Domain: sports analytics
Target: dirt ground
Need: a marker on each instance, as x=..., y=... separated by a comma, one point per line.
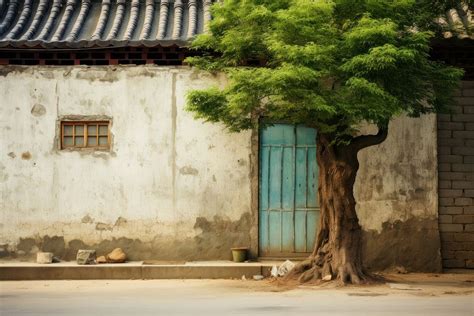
x=403, y=294
x=414, y=284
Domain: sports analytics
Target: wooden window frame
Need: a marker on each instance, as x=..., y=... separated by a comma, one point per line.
x=85, y=134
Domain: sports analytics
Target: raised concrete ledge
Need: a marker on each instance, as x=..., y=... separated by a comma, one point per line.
x=132, y=270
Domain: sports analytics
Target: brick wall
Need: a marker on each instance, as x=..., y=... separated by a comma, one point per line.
x=172, y=55
x=456, y=181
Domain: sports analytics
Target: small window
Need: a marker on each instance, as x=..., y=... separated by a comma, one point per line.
x=85, y=135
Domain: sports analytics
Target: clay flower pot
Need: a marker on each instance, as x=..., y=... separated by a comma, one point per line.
x=239, y=254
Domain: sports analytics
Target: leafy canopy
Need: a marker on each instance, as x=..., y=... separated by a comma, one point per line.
x=327, y=64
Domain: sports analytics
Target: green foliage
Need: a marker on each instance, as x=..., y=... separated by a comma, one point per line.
x=326, y=64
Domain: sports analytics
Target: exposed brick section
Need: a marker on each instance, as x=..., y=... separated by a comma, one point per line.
x=172, y=55
x=456, y=181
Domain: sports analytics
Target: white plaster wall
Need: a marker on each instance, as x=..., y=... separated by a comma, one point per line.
x=165, y=168
x=398, y=179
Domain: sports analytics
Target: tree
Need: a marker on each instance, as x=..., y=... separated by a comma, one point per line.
x=331, y=65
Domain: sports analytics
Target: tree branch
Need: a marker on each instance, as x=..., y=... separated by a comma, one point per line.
x=363, y=141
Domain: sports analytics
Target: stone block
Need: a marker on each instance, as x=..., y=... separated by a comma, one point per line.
x=451, y=210
x=466, y=84
x=444, y=151
x=444, y=118
x=85, y=256
x=453, y=246
x=468, y=193
x=44, y=257
x=444, y=193
x=463, y=219
x=469, y=176
x=462, y=150
x=447, y=236
x=470, y=264
x=469, y=126
x=468, y=210
x=444, y=134
x=469, y=228
x=444, y=167
x=463, y=134
x=463, y=184
x=465, y=101
x=447, y=254
x=445, y=219
x=451, y=175
x=468, y=109
x=444, y=184
x=446, y=202
x=456, y=109
x=469, y=159
x=462, y=201
x=468, y=92
x=450, y=158
x=468, y=245
x=451, y=227
x=458, y=126
x=453, y=263
x=451, y=142
x=463, y=236
x=462, y=118
x=463, y=255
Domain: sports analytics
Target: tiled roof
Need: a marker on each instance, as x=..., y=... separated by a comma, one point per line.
x=101, y=23
x=458, y=23
x=113, y=23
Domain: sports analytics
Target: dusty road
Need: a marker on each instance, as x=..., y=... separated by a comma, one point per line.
x=405, y=295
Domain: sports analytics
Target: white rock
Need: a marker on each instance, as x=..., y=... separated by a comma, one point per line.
x=327, y=277
x=44, y=257
x=285, y=267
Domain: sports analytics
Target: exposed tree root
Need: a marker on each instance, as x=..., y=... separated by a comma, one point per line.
x=312, y=271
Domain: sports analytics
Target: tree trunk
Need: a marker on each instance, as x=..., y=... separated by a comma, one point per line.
x=337, y=250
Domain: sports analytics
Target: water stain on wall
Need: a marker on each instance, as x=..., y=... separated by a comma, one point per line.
x=213, y=241
x=413, y=244
x=38, y=110
x=188, y=170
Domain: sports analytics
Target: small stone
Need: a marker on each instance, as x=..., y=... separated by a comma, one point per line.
x=327, y=277
x=44, y=257
x=116, y=256
x=401, y=270
x=258, y=277
x=56, y=259
x=85, y=256
x=326, y=272
x=101, y=259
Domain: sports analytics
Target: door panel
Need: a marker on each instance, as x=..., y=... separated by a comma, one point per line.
x=288, y=207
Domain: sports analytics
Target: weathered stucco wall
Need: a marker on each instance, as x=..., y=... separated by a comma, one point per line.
x=397, y=199
x=170, y=187
x=173, y=187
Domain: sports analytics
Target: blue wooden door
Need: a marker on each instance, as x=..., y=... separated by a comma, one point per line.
x=288, y=203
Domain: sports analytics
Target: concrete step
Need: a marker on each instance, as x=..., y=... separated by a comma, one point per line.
x=132, y=270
